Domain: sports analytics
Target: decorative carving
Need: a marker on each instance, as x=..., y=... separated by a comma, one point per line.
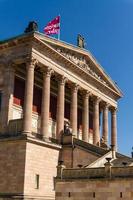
x=96, y=100
x=81, y=62
x=31, y=62
x=61, y=79
x=74, y=87
x=86, y=93
x=113, y=110
x=47, y=72
x=106, y=105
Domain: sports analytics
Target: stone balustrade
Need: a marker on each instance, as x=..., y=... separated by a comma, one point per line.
x=96, y=173
x=126, y=171
x=83, y=173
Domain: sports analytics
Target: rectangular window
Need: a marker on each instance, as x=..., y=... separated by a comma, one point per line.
x=94, y=195
x=37, y=181
x=120, y=194
x=69, y=194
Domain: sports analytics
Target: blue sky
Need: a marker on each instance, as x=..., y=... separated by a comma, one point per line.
x=107, y=26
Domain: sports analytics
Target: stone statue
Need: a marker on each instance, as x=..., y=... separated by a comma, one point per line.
x=32, y=26
x=80, y=41
x=67, y=129
x=102, y=143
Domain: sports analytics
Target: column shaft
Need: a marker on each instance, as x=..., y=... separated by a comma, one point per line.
x=96, y=131
x=45, y=104
x=73, y=111
x=113, y=129
x=60, y=108
x=85, y=117
x=105, y=124
x=28, y=100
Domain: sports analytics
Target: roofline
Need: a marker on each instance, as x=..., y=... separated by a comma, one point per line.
x=16, y=37
x=60, y=42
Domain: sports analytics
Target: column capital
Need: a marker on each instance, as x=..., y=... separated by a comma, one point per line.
x=31, y=62
x=105, y=105
x=61, y=79
x=86, y=93
x=113, y=109
x=47, y=71
x=74, y=87
x=96, y=99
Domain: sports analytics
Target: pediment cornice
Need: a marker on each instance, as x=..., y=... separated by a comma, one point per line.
x=78, y=59
x=82, y=62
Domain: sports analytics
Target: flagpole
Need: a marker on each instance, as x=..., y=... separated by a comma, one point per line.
x=59, y=29
x=59, y=35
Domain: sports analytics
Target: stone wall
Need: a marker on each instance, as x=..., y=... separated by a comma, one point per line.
x=105, y=183
x=74, y=154
x=21, y=161
x=73, y=157
x=41, y=159
x=104, y=189
x=12, y=166
x=83, y=157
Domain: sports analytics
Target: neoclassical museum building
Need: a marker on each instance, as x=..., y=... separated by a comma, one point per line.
x=58, y=124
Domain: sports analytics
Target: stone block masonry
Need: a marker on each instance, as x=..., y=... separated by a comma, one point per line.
x=12, y=166
x=22, y=162
x=109, y=183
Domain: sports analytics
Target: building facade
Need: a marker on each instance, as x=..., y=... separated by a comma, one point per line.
x=44, y=84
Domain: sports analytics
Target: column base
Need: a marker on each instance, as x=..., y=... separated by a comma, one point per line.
x=27, y=133
x=46, y=139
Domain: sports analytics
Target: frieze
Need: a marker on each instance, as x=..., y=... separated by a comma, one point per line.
x=82, y=63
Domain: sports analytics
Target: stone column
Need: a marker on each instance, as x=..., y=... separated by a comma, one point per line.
x=105, y=124
x=96, y=128
x=45, y=104
x=7, y=95
x=60, y=107
x=28, y=100
x=73, y=111
x=85, y=117
x=113, y=129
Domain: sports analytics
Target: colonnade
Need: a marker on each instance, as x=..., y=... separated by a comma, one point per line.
x=28, y=101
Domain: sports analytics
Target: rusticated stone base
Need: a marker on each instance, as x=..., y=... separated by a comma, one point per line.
x=21, y=160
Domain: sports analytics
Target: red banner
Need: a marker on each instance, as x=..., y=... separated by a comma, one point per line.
x=53, y=27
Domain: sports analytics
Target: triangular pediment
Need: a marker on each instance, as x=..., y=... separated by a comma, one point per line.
x=76, y=58
x=83, y=59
